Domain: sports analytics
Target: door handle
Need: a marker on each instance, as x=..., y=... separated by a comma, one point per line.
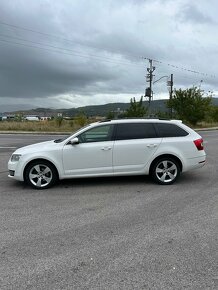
x=151, y=145
x=106, y=148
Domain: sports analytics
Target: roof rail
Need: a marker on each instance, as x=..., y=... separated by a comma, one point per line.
x=106, y=120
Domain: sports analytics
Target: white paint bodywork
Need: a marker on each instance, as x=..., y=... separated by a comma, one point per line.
x=108, y=158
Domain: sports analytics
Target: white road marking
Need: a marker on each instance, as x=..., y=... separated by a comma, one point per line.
x=5, y=147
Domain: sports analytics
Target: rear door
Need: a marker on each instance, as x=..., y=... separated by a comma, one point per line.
x=135, y=144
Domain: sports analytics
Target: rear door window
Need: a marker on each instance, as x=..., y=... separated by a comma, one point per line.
x=128, y=131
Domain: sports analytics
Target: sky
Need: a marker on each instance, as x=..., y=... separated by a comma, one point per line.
x=74, y=53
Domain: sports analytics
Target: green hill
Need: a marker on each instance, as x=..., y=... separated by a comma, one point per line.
x=101, y=110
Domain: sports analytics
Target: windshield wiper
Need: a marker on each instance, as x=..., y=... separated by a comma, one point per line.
x=58, y=140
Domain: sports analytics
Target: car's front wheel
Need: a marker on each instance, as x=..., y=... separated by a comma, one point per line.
x=40, y=174
x=165, y=171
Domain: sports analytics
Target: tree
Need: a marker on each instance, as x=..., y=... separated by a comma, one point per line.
x=110, y=115
x=59, y=121
x=213, y=115
x=81, y=119
x=136, y=109
x=190, y=105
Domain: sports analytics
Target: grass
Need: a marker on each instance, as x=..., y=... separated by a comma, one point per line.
x=206, y=125
x=41, y=126
x=67, y=126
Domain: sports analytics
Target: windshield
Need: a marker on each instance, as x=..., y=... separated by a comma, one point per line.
x=65, y=137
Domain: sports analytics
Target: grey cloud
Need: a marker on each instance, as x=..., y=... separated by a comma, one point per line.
x=25, y=74
x=193, y=14
x=106, y=43
x=30, y=72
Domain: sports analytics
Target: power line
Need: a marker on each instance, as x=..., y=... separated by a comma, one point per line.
x=182, y=68
x=64, y=39
x=34, y=31
x=57, y=37
x=61, y=51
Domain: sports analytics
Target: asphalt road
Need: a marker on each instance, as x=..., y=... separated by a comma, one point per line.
x=110, y=233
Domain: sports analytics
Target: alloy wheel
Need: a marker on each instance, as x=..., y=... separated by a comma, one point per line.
x=40, y=175
x=166, y=171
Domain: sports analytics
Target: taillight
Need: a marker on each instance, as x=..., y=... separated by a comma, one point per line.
x=199, y=144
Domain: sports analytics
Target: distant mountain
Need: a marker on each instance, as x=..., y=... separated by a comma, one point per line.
x=103, y=110
x=96, y=110
x=14, y=107
x=99, y=110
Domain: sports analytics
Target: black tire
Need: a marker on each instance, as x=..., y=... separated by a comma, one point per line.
x=165, y=170
x=40, y=174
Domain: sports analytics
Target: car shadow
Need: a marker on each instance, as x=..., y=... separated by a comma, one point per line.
x=104, y=181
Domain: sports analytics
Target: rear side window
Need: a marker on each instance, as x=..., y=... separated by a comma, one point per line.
x=169, y=130
x=128, y=131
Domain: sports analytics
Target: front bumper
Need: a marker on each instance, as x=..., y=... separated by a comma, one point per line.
x=15, y=170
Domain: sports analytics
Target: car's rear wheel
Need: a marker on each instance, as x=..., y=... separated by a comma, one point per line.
x=40, y=174
x=165, y=171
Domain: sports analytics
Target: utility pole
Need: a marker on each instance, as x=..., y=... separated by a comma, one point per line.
x=170, y=85
x=149, y=78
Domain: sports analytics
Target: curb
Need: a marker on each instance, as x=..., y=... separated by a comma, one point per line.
x=69, y=133
x=206, y=129
x=34, y=133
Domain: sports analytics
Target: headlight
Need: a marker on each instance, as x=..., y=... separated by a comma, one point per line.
x=15, y=157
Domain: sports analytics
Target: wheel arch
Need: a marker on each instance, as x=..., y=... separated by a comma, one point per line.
x=40, y=160
x=166, y=156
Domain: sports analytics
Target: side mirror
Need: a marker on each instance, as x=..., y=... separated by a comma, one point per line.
x=74, y=141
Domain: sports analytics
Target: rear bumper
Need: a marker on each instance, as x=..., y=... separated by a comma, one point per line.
x=194, y=163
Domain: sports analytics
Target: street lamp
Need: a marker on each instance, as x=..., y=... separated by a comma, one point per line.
x=170, y=85
x=160, y=79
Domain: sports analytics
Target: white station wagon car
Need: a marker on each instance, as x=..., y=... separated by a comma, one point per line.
x=159, y=148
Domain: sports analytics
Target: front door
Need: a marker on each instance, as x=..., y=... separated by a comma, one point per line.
x=92, y=156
